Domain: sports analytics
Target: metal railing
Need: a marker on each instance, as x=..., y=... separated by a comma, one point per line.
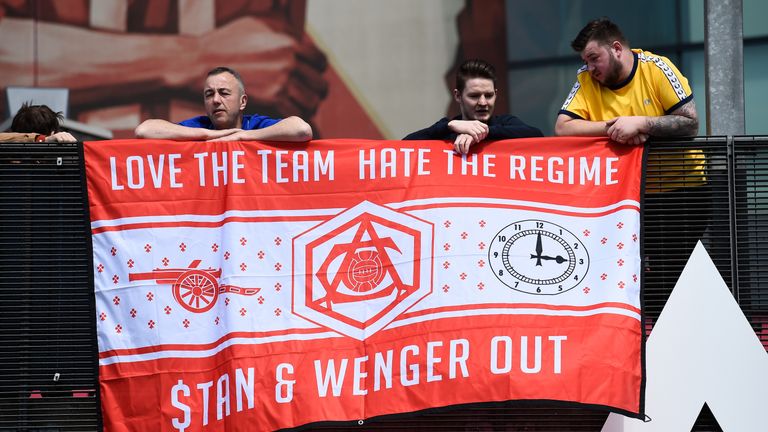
x=48, y=353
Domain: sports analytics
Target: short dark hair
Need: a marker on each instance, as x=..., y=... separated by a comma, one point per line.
x=223, y=69
x=38, y=119
x=474, y=68
x=601, y=30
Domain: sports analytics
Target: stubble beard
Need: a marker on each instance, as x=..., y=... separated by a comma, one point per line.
x=613, y=76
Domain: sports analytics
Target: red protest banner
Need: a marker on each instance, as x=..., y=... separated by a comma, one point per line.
x=244, y=286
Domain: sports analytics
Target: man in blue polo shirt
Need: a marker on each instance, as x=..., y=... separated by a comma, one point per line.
x=225, y=99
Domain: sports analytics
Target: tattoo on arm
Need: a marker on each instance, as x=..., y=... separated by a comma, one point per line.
x=680, y=122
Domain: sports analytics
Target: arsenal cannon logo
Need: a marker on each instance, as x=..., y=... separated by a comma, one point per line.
x=196, y=290
x=358, y=271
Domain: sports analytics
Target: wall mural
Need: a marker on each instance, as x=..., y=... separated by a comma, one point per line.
x=360, y=69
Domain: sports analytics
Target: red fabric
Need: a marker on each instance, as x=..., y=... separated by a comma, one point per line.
x=391, y=274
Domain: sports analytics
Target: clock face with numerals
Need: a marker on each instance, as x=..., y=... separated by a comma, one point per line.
x=538, y=257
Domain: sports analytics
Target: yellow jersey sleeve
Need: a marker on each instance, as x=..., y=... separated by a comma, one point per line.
x=575, y=104
x=671, y=86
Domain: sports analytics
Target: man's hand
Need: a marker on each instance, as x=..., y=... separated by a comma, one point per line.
x=462, y=143
x=290, y=129
x=61, y=137
x=163, y=129
x=230, y=135
x=630, y=130
x=470, y=132
x=474, y=128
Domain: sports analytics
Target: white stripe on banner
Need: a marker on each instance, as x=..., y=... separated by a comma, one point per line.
x=175, y=353
x=334, y=211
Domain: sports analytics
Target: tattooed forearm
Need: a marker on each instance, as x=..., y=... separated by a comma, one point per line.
x=681, y=122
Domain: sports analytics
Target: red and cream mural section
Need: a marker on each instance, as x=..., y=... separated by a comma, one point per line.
x=362, y=69
x=241, y=286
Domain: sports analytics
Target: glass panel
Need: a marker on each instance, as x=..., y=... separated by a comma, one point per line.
x=545, y=28
x=755, y=12
x=536, y=94
x=692, y=20
x=692, y=67
x=756, y=89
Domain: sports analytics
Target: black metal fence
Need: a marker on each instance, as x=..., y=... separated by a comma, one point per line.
x=48, y=376
x=48, y=354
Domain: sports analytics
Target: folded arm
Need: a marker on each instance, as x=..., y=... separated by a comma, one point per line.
x=570, y=126
x=633, y=130
x=289, y=129
x=162, y=129
x=681, y=122
x=61, y=137
x=469, y=132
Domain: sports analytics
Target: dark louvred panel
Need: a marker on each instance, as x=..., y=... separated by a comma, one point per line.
x=750, y=213
x=48, y=376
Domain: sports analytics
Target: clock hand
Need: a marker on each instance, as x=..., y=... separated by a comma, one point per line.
x=559, y=259
x=539, y=249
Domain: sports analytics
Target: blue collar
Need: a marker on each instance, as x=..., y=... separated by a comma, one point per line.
x=631, y=74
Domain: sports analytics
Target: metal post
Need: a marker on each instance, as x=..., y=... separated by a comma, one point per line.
x=724, y=61
x=734, y=243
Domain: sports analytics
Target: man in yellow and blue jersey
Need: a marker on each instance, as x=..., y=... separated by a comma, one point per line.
x=625, y=94
x=630, y=95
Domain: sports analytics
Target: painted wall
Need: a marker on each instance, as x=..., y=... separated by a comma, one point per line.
x=362, y=69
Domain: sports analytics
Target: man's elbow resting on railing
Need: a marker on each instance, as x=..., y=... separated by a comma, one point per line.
x=296, y=129
x=569, y=126
x=144, y=130
x=162, y=129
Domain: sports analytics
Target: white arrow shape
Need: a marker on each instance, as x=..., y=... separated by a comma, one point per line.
x=702, y=349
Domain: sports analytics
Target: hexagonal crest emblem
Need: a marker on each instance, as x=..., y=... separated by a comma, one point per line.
x=358, y=271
